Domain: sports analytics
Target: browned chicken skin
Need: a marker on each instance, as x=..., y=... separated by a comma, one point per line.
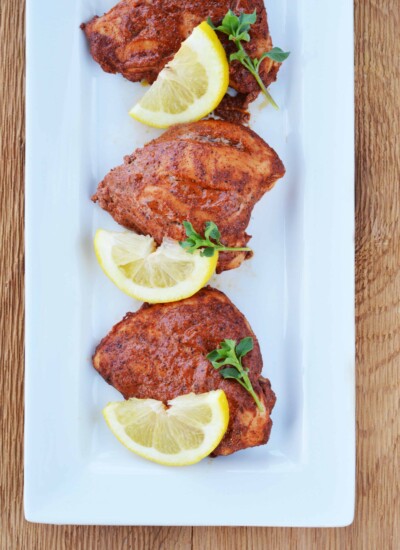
x=138, y=37
x=160, y=352
x=204, y=171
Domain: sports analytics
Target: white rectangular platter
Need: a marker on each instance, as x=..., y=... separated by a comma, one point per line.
x=297, y=292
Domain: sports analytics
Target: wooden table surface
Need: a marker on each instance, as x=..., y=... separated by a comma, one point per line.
x=377, y=520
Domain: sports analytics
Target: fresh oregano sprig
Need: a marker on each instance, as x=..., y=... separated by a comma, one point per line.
x=237, y=28
x=231, y=353
x=209, y=243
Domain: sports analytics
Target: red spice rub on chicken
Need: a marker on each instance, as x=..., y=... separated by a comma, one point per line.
x=210, y=170
x=160, y=352
x=138, y=37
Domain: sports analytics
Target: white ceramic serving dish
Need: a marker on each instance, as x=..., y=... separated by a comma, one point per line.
x=297, y=291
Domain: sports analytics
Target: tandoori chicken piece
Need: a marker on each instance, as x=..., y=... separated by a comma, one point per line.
x=210, y=170
x=160, y=351
x=138, y=37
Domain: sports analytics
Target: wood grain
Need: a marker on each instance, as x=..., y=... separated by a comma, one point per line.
x=377, y=522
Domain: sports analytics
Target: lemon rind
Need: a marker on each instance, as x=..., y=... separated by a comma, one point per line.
x=185, y=458
x=204, y=270
x=211, y=45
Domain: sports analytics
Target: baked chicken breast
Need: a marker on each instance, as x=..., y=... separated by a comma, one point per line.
x=160, y=351
x=138, y=37
x=210, y=170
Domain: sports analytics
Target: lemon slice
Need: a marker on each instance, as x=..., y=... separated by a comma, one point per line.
x=183, y=433
x=150, y=274
x=190, y=86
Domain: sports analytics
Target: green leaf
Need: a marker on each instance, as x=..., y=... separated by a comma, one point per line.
x=207, y=252
x=238, y=56
x=228, y=345
x=225, y=30
x=188, y=246
x=218, y=363
x=230, y=372
x=248, y=18
x=243, y=36
x=187, y=243
x=195, y=241
x=276, y=54
x=244, y=346
x=221, y=352
x=214, y=356
x=230, y=354
x=211, y=23
x=212, y=231
x=231, y=21
x=237, y=28
x=189, y=229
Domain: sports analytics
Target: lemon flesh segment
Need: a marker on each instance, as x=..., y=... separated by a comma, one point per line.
x=190, y=86
x=150, y=274
x=183, y=433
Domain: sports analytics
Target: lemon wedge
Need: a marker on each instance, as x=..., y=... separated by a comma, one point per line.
x=190, y=86
x=150, y=274
x=183, y=433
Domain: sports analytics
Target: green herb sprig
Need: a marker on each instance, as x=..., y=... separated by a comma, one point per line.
x=231, y=353
x=209, y=243
x=237, y=28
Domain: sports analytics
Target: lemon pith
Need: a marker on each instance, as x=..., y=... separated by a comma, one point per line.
x=190, y=86
x=184, y=433
x=150, y=274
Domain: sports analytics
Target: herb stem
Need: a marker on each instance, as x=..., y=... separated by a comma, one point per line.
x=256, y=75
x=231, y=353
x=232, y=249
x=249, y=388
x=245, y=382
x=237, y=28
x=209, y=243
x=264, y=90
